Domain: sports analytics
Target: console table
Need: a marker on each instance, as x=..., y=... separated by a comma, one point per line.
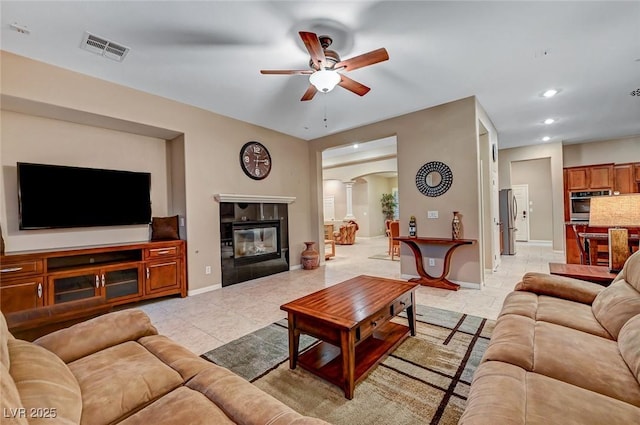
x=425, y=278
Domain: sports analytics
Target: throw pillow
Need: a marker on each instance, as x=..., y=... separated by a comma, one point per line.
x=164, y=228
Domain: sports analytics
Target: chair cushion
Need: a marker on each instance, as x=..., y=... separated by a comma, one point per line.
x=44, y=382
x=119, y=380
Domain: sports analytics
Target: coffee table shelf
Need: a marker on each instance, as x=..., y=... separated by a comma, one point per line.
x=325, y=360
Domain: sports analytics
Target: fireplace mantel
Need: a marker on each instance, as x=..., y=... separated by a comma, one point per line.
x=266, y=199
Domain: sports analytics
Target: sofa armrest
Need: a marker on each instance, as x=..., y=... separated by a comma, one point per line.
x=560, y=287
x=96, y=334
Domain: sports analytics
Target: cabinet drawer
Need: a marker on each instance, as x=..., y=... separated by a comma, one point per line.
x=372, y=323
x=400, y=304
x=20, y=268
x=161, y=252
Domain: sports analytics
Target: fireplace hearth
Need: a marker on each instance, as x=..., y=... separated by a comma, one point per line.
x=254, y=240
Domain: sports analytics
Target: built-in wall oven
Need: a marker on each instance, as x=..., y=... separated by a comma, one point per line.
x=579, y=203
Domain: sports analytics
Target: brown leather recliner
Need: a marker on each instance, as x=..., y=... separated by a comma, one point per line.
x=346, y=235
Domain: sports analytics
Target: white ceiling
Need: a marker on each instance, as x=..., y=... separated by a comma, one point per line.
x=209, y=54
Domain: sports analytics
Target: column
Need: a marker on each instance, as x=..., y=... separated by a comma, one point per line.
x=349, y=190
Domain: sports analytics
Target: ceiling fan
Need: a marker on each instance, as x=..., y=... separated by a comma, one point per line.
x=325, y=64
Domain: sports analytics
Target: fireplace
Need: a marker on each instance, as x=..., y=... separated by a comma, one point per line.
x=254, y=240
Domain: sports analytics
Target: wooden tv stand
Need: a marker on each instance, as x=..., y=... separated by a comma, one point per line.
x=117, y=274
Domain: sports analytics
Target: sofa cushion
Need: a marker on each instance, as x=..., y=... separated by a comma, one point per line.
x=181, y=406
x=97, y=334
x=576, y=357
x=508, y=395
x=629, y=344
x=615, y=305
x=571, y=314
x=44, y=382
x=243, y=402
x=10, y=402
x=119, y=380
x=180, y=359
x=4, y=337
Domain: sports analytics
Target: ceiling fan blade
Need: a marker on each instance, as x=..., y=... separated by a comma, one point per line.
x=365, y=59
x=352, y=85
x=286, y=71
x=308, y=95
x=314, y=47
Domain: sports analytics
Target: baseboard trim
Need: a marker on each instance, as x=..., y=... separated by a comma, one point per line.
x=204, y=290
x=469, y=285
x=296, y=267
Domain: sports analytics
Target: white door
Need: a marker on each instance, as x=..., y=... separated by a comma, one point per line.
x=521, y=193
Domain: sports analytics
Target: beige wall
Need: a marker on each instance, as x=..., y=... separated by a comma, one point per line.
x=618, y=151
x=446, y=133
x=553, y=151
x=536, y=174
x=26, y=138
x=209, y=148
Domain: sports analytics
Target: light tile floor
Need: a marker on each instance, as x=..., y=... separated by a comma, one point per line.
x=206, y=321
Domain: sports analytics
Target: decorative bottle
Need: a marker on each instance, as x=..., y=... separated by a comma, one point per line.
x=456, y=226
x=310, y=257
x=412, y=227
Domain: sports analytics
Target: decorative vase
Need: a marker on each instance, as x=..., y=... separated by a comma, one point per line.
x=456, y=226
x=310, y=257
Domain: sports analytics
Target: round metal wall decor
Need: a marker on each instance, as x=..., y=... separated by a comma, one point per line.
x=434, y=178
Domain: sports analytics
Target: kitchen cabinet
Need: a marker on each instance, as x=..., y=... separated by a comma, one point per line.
x=624, y=179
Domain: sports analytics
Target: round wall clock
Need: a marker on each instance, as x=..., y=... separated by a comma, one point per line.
x=434, y=178
x=255, y=160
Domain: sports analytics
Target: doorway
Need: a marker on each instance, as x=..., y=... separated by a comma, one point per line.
x=521, y=194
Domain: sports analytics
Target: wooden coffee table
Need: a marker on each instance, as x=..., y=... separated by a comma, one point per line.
x=352, y=319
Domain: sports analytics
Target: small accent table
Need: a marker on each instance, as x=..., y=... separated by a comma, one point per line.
x=595, y=274
x=425, y=278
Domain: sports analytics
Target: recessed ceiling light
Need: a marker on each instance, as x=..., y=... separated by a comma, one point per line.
x=546, y=138
x=355, y=146
x=550, y=93
x=549, y=121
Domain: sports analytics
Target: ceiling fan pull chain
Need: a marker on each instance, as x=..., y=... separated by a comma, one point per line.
x=325, y=112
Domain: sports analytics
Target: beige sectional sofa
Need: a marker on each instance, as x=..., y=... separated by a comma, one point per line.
x=117, y=369
x=564, y=351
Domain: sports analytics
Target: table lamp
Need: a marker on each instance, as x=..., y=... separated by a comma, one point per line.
x=616, y=212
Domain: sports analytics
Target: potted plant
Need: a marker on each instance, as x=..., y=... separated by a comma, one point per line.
x=389, y=204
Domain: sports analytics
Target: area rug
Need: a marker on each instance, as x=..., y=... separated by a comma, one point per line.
x=424, y=381
x=384, y=257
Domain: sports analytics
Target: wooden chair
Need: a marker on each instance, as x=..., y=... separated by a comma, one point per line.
x=394, y=246
x=584, y=257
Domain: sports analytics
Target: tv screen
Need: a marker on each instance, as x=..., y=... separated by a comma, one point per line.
x=55, y=196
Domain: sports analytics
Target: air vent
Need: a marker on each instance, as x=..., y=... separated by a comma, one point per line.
x=103, y=47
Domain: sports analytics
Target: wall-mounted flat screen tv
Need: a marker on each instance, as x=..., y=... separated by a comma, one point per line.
x=55, y=196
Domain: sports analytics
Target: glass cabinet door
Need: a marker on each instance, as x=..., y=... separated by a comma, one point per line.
x=74, y=287
x=122, y=282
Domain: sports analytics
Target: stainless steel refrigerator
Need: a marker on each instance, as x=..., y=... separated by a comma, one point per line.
x=508, y=215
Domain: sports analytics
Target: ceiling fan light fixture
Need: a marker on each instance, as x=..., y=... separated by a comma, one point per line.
x=325, y=80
